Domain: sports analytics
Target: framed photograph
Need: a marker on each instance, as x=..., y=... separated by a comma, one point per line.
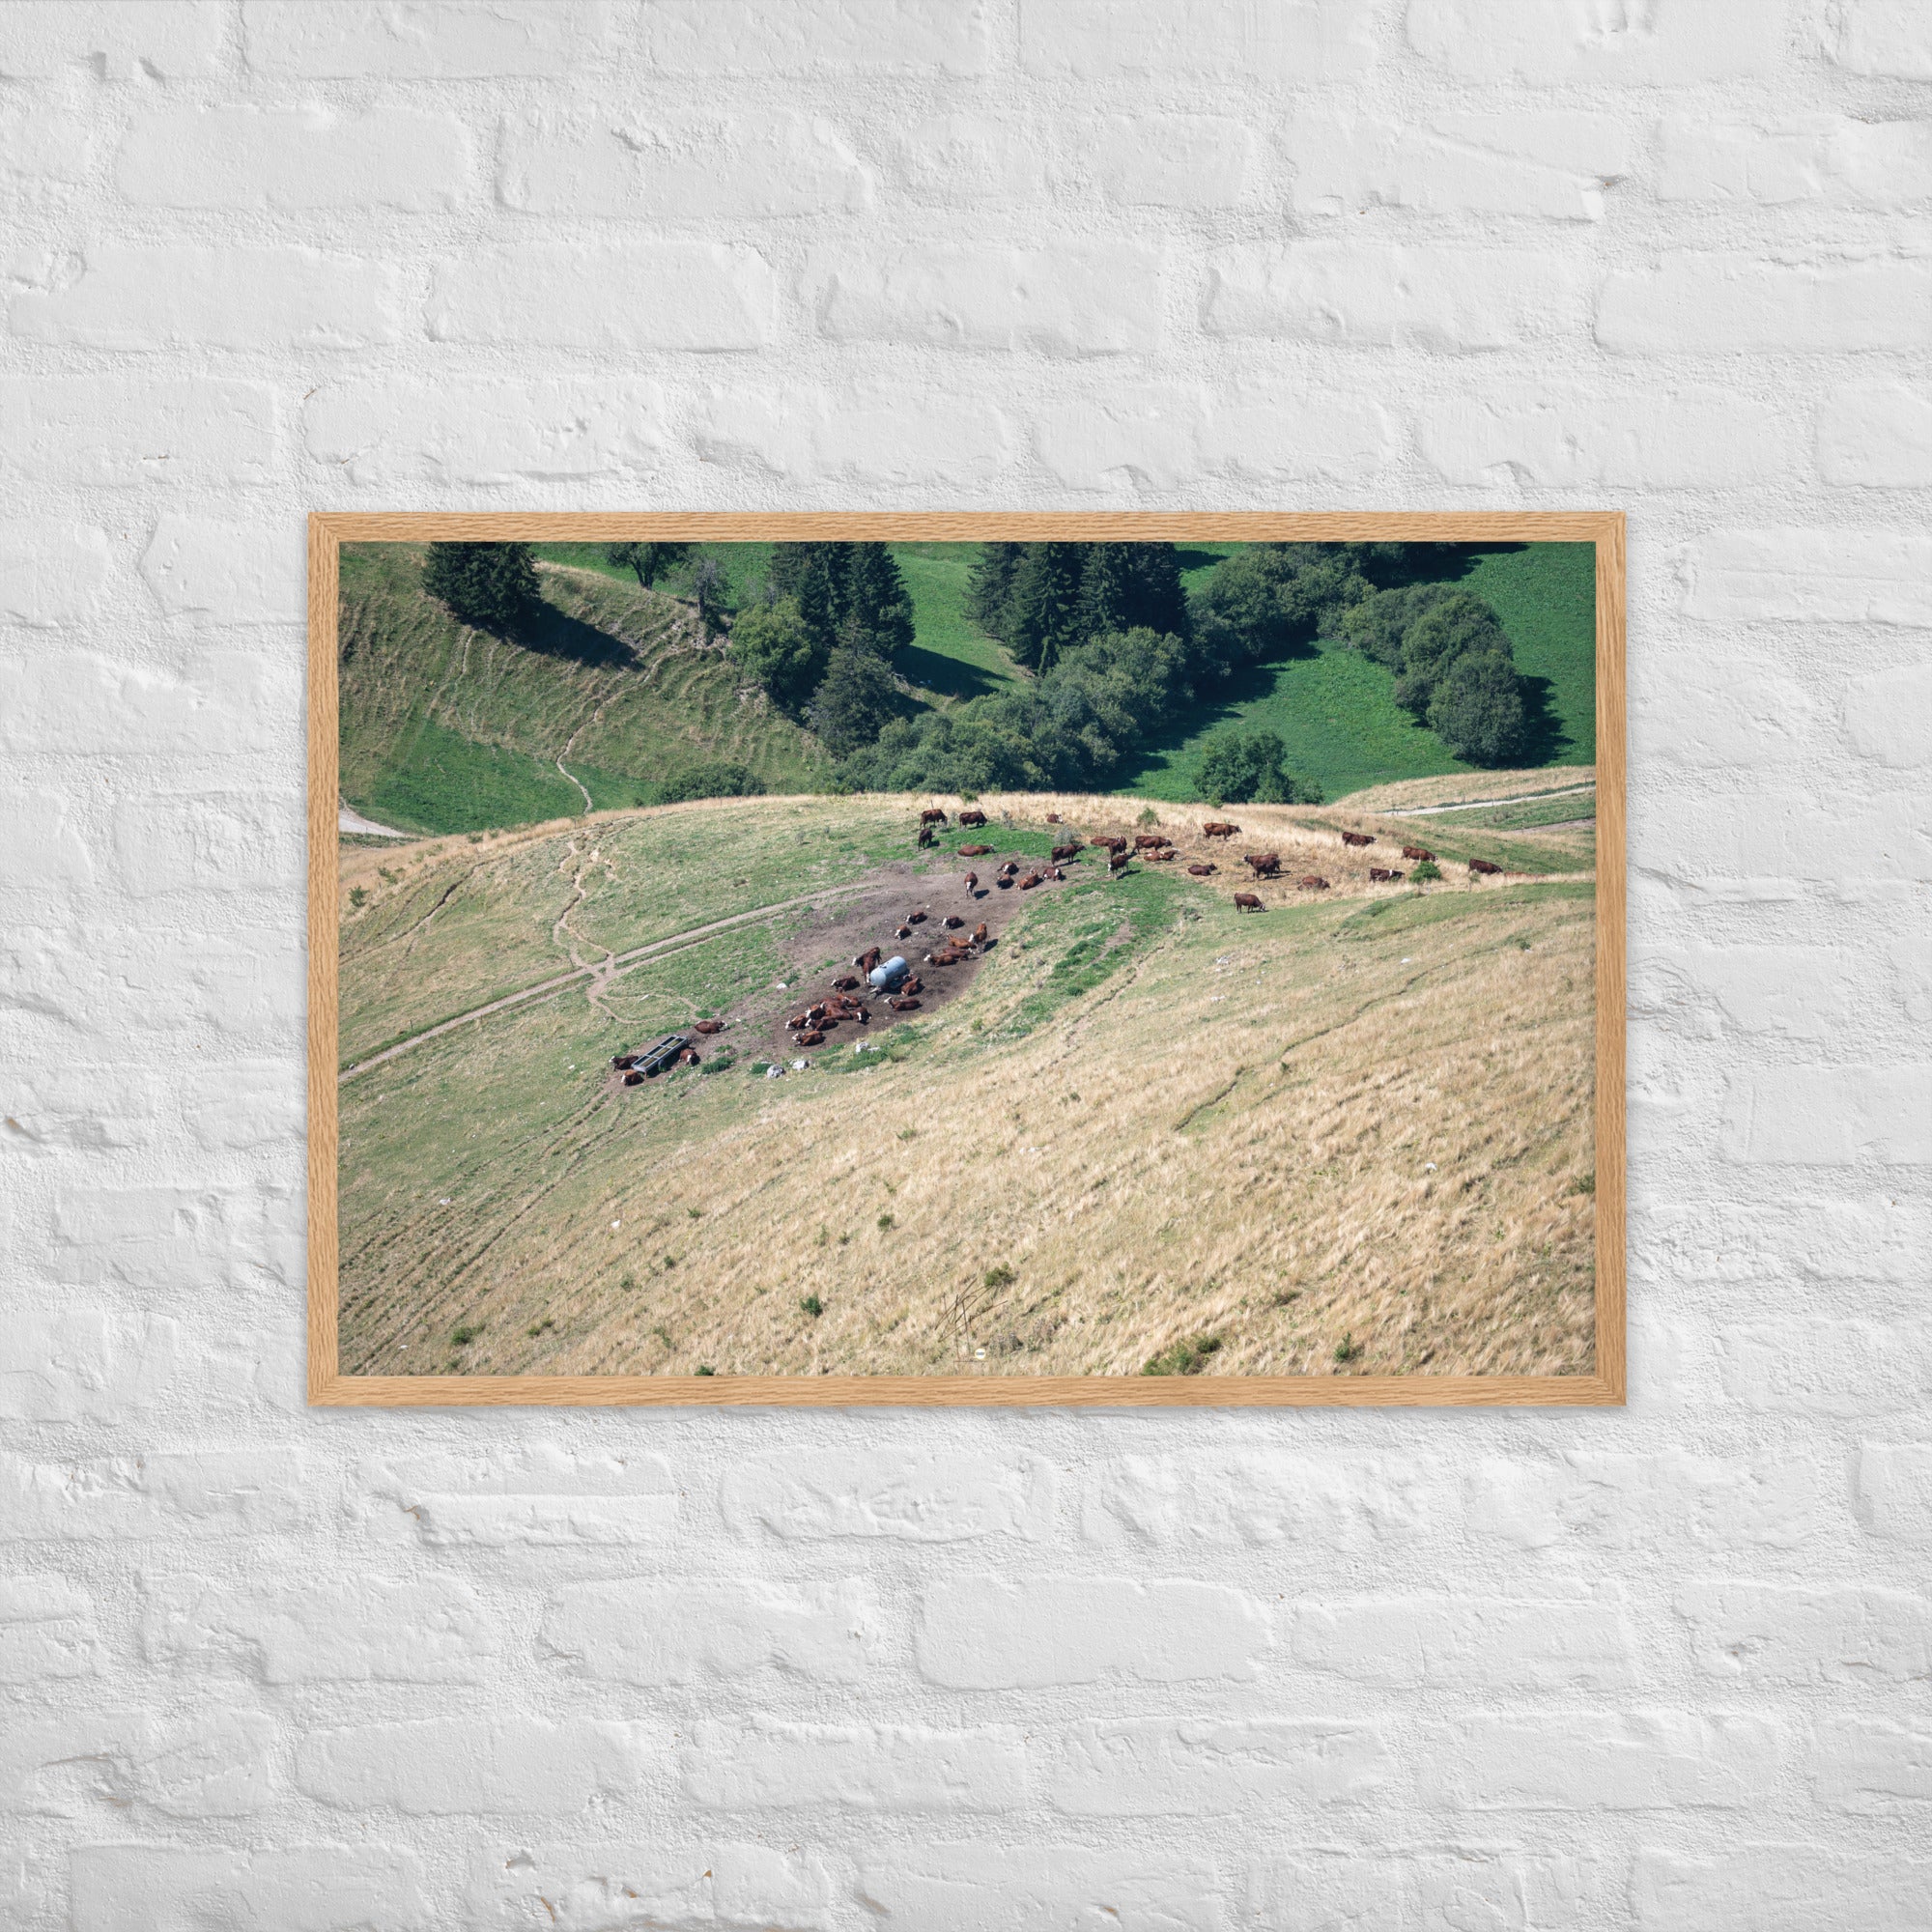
x=1110, y=959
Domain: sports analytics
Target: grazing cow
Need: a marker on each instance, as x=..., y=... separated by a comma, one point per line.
x=1484, y=869
x=709, y=1026
x=1203, y=871
x=925, y=836
x=915, y=918
x=1219, y=828
x=953, y=919
x=1382, y=875
x=972, y=819
x=868, y=959
x=1247, y=902
x=1416, y=852
x=1109, y=845
x=1028, y=883
x=1151, y=841
x=1358, y=839
x=972, y=882
x=980, y=933
x=974, y=851
x=903, y=1006
x=634, y=1080
x=1117, y=861
x=1063, y=852
x=1313, y=882
x=812, y=1039
x=933, y=816
x=1265, y=864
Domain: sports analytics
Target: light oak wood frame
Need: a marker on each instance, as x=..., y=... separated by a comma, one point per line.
x=328, y=530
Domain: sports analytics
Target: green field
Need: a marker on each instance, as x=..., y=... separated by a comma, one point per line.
x=950, y=656
x=1335, y=710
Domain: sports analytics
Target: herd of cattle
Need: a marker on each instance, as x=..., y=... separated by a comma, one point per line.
x=901, y=984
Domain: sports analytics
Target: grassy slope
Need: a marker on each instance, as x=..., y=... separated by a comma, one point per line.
x=1336, y=713
x=449, y=730
x=1180, y=1121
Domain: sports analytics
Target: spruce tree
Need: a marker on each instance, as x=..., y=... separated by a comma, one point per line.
x=989, y=587
x=491, y=586
x=1110, y=590
x=1159, y=603
x=878, y=608
x=1045, y=605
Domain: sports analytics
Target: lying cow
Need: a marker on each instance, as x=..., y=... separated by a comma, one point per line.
x=1203, y=871
x=1384, y=876
x=812, y=1039
x=1028, y=883
x=715, y=1026
x=850, y=983
x=974, y=851
x=904, y=1005
x=915, y=918
x=1312, y=882
x=953, y=919
x=1358, y=839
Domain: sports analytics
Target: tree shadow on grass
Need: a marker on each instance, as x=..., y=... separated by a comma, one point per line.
x=554, y=633
x=1543, y=738
x=1449, y=562
x=950, y=677
x=1226, y=706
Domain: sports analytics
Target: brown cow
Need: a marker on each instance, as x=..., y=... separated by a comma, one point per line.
x=1313, y=882
x=972, y=819
x=689, y=1056
x=634, y=1080
x=1203, y=871
x=924, y=836
x=1117, y=861
x=903, y=1006
x=911, y=984
x=1219, y=828
x=1483, y=867
x=1005, y=884
x=1246, y=902
x=1416, y=852
x=868, y=959
x=1151, y=841
x=796, y=1022
x=1028, y=883
x=1054, y=873
x=1357, y=839
x=972, y=882
x=915, y=918
x=953, y=919
x=1382, y=875
x=1009, y=867
x=709, y=1026
x=933, y=816
x=1160, y=853
x=849, y=984
x=1063, y=852
x=623, y=1061
x=902, y=932
x=974, y=851
x=1054, y=818
x=980, y=933
x=1266, y=864
x=1109, y=845
x=812, y=1039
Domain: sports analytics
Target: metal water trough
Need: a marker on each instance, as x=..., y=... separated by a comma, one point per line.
x=663, y=1053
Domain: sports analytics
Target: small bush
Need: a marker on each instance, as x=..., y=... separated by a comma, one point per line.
x=884, y=1222
x=1148, y=817
x=460, y=1338
x=705, y=1369
x=908, y=1133
x=358, y=896
x=1183, y=1359
x=477, y=838
x=1348, y=1349
x=813, y=1306
x=1584, y=1183
x=1426, y=872
x=694, y=1213
x=1001, y=1276
x=541, y=1328
x=629, y=1281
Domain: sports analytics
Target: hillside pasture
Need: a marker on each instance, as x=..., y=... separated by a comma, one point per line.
x=1351, y=1134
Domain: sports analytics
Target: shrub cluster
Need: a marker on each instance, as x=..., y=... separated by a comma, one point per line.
x=1453, y=663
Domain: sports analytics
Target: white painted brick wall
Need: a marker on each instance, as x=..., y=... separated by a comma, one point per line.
x=270, y=1670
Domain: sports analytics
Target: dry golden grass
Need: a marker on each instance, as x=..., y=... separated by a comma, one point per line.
x=1353, y=1135
x=1465, y=788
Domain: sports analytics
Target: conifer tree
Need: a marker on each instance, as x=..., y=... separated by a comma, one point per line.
x=490, y=585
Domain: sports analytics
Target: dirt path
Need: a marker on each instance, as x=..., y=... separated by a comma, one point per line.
x=349, y=819
x=604, y=969
x=1477, y=804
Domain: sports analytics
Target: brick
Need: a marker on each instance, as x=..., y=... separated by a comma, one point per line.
x=905, y=1497
x=1803, y=992
x=307, y=1889
x=492, y=1767
x=51, y=572
x=1819, y=159
x=1578, y=437
x=981, y=1633
x=1295, y=41
x=225, y=573
x=761, y=1763
x=1895, y=1488
x=1079, y=298
x=386, y=432
x=1888, y=716
x=206, y=1494
x=965, y=1888
x=450, y=40
x=1405, y=1885
x=651, y=1884
x=242, y=1103
x=1437, y=298
x=119, y=432
x=1798, y=1633
x=43, y=144
x=1255, y=1497
x=1875, y=435
x=1778, y=1888
x=215, y=1764
x=147, y=1236
x=177, y=296
x=247, y=982
x=1671, y=44
x=47, y=1633
x=763, y=165
x=1170, y=160
x=1851, y=1370
x=538, y=1496
x=170, y=39
x=1779, y=843
x=1606, y=1499
x=1466, y=1642
x=815, y=435
x=1870, y=1764
x=1281, y=433
x=1595, y=1761
x=432, y=1629
x=1551, y=165
x=960, y=158
x=294, y=157
x=38, y=824
x=647, y=295
x=1208, y=1767
x=937, y=36
x=211, y=699
x=210, y=842
x=1695, y=304
x=70, y=1363
x=689, y=1632
x=1886, y=38
x=1830, y=1115
x=1813, y=576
